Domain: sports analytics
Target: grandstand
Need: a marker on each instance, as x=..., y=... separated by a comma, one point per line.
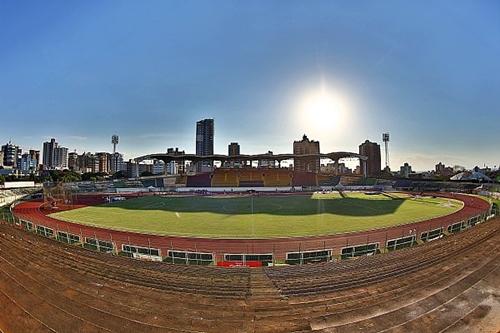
x=304, y=179
x=225, y=178
x=199, y=180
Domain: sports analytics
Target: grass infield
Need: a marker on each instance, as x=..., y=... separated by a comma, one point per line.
x=260, y=216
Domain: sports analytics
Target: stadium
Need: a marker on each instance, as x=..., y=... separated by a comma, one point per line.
x=300, y=253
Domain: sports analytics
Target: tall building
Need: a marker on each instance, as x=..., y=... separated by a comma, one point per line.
x=35, y=155
x=48, y=153
x=73, y=161
x=103, y=162
x=405, y=170
x=10, y=155
x=27, y=163
x=233, y=149
x=204, y=142
x=60, y=158
x=304, y=147
x=116, y=164
x=1, y=158
x=372, y=151
x=54, y=156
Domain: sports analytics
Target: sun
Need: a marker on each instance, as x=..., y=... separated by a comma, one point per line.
x=321, y=110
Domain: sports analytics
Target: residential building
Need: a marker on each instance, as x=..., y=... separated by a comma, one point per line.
x=60, y=158
x=158, y=167
x=103, y=162
x=35, y=155
x=405, y=170
x=28, y=164
x=73, y=161
x=11, y=154
x=54, y=156
x=204, y=143
x=116, y=163
x=443, y=170
x=373, y=163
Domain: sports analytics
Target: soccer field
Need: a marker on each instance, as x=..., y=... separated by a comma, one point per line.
x=260, y=216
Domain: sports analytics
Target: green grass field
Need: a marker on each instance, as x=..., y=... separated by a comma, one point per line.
x=260, y=217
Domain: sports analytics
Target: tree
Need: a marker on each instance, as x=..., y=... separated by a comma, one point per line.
x=146, y=174
x=119, y=175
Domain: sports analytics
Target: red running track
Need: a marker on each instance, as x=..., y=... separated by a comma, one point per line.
x=473, y=206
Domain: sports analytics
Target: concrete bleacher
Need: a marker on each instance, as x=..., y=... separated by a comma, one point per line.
x=10, y=195
x=277, y=177
x=199, y=180
x=304, y=179
x=326, y=180
x=441, y=286
x=225, y=178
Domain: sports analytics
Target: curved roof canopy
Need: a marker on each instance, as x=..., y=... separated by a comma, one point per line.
x=335, y=156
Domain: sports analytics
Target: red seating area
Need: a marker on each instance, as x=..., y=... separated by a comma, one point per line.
x=199, y=180
x=304, y=179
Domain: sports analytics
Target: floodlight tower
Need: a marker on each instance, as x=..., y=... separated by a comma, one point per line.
x=385, y=138
x=114, y=141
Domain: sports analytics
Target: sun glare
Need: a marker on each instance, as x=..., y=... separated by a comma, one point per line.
x=322, y=110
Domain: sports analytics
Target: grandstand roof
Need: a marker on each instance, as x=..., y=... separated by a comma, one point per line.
x=219, y=157
x=471, y=175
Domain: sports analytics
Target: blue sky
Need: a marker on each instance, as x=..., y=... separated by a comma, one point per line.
x=426, y=71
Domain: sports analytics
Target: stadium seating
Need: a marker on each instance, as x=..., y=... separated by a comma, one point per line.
x=225, y=178
x=326, y=180
x=304, y=179
x=351, y=180
x=277, y=177
x=250, y=178
x=181, y=180
x=440, y=286
x=199, y=180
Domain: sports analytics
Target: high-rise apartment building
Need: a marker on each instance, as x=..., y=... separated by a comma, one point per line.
x=116, y=163
x=48, y=153
x=54, y=156
x=372, y=151
x=103, y=162
x=27, y=163
x=11, y=154
x=204, y=142
x=35, y=156
x=73, y=161
x=305, y=147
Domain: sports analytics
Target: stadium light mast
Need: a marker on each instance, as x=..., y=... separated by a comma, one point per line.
x=114, y=141
x=385, y=138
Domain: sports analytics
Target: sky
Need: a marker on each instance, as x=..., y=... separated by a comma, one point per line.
x=427, y=72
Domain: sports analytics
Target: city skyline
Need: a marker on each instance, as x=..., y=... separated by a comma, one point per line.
x=74, y=74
